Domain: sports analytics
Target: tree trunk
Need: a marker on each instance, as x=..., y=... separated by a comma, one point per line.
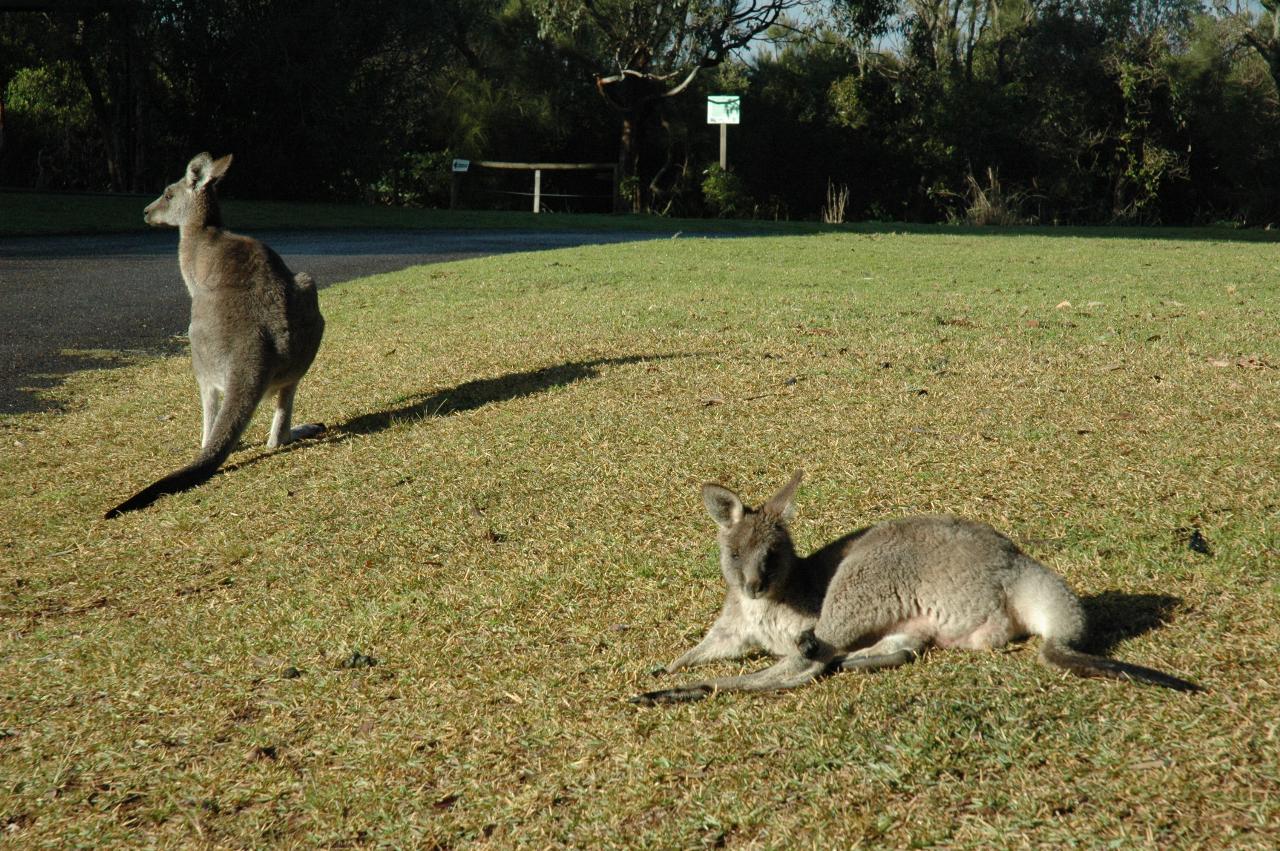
x=635, y=96
x=629, y=183
x=101, y=109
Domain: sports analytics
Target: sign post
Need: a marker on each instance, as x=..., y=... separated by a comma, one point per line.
x=724, y=110
x=460, y=167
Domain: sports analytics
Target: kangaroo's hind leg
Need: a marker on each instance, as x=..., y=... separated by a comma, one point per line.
x=281, y=432
x=210, y=402
x=892, y=651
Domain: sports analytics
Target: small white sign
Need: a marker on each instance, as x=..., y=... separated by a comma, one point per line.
x=461, y=165
x=724, y=109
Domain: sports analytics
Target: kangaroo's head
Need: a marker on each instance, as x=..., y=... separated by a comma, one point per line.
x=191, y=199
x=756, y=553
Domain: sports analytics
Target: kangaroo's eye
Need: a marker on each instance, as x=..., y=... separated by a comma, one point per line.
x=733, y=553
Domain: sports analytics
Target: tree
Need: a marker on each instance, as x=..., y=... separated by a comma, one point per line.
x=1261, y=34
x=642, y=52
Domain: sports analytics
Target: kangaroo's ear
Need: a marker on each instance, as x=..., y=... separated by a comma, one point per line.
x=780, y=504
x=198, y=170
x=722, y=504
x=219, y=167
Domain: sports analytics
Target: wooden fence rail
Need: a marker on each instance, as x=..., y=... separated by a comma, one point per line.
x=463, y=167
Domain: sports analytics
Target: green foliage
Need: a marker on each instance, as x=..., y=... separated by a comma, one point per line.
x=725, y=194
x=49, y=95
x=420, y=180
x=1088, y=110
x=49, y=123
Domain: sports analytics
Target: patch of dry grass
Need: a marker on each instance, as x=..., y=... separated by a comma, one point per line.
x=504, y=517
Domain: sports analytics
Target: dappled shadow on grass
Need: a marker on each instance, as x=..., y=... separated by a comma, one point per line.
x=1115, y=617
x=34, y=386
x=481, y=392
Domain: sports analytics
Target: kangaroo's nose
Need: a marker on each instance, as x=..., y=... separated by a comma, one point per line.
x=753, y=588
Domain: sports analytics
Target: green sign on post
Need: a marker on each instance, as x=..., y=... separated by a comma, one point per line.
x=724, y=110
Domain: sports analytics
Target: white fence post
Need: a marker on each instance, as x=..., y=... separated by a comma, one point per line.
x=471, y=166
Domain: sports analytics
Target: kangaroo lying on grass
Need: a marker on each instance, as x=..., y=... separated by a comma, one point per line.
x=255, y=326
x=876, y=598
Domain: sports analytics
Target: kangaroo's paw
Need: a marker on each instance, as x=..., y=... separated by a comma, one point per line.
x=680, y=694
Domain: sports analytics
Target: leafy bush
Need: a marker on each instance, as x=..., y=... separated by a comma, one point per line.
x=726, y=195
x=49, y=128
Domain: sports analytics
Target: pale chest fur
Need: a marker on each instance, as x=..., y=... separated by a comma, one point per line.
x=772, y=625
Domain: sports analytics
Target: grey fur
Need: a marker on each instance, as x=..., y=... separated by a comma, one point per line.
x=876, y=598
x=255, y=326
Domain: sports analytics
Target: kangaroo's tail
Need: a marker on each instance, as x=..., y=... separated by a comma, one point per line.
x=1043, y=603
x=234, y=415
x=1056, y=653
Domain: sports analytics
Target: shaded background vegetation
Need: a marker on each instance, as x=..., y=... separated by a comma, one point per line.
x=991, y=111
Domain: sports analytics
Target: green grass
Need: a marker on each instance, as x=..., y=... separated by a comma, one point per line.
x=44, y=214
x=505, y=515
x=38, y=214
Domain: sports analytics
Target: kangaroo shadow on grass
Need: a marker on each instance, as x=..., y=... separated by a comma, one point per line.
x=464, y=397
x=1115, y=617
x=484, y=391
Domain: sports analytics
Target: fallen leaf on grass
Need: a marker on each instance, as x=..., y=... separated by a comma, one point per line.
x=1062, y=305
x=1148, y=765
x=1253, y=362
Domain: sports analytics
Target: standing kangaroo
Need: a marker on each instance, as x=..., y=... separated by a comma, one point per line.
x=255, y=326
x=876, y=598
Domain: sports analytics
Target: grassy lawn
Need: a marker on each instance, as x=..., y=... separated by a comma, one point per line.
x=36, y=214
x=504, y=516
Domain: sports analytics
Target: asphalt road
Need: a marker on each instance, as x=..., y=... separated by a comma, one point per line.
x=61, y=296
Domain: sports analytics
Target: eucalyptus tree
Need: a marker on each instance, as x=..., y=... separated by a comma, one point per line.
x=1260, y=29
x=641, y=53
